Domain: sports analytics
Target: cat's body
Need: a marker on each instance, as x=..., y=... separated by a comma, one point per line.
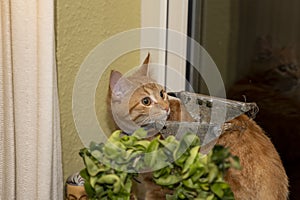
x=262, y=177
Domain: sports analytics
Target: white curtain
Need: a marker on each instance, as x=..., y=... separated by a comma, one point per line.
x=30, y=147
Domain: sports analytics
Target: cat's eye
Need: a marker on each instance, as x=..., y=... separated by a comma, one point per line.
x=162, y=94
x=293, y=67
x=146, y=101
x=282, y=68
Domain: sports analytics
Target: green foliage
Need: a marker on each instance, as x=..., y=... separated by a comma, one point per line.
x=197, y=176
x=176, y=164
x=110, y=167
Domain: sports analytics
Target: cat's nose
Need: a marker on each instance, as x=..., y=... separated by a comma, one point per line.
x=167, y=108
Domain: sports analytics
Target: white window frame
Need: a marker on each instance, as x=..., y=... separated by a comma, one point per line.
x=171, y=14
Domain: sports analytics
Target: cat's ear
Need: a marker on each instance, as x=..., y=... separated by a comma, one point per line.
x=114, y=78
x=263, y=48
x=118, y=84
x=146, y=61
x=143, y=70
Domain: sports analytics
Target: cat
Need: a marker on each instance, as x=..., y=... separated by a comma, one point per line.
x=274, y=69
x=274, y=86
x=262, y=175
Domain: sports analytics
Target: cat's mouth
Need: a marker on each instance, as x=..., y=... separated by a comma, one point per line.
x=159, y=117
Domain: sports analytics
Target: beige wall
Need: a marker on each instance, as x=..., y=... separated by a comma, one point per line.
x=80, y=26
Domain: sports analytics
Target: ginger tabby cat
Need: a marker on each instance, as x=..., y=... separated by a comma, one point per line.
x=262, y=175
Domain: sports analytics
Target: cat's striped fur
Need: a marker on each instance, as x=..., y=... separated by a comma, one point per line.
x=262, y=177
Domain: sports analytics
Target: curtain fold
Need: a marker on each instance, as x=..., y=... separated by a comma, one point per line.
x=7, y=141
x=30, y=146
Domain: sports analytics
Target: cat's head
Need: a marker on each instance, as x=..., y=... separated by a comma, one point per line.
x=137, y=100
x=279, y=66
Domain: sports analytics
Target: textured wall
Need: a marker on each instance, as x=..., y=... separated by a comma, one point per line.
x=80, y=26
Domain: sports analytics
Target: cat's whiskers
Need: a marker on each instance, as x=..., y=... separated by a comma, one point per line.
x=151, y=119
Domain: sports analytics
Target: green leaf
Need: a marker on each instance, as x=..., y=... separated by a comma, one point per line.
x=99, y=190
x=84, y=174
x=128, y=185
x=194, y=152
x=203, y=195
x=199, y=173
x=111, y=179
x=114, y=150
x=235, y=162
x=217, y=189
x=153, y=146
x=97, y=155
x=168, y=180
x=170, y=197
x=115, y=136
x=141, y=145
x=179, y=151
x=204, y=186
x=211, y=197
x=162, y=172
x=152, y=154
x=180, y=161
x=93, y=181
x=191, y=139
x=128, y=141
x=189, y=183
x=91, y=166
x=213, y=172
x=88, y=189
x=170, y=143
x=220, y=153
x=140, y=133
